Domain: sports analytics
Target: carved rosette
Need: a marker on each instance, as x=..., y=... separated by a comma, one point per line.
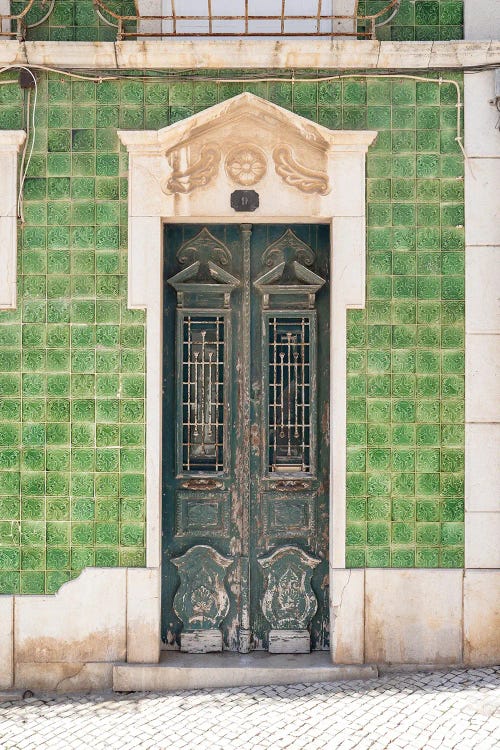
x=289, y=603
x=185, y=177
x=246, y=164
x=297, y=175
x=201, y=601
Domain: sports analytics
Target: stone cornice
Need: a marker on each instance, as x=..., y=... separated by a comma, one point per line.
x=345, y=54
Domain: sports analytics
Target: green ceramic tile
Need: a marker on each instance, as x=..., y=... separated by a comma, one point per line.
x=406, y=352
x=131, y=535
x=428, y=533
x=132, y=509
x=452, y=509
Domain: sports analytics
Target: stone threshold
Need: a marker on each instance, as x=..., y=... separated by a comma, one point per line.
x=175, y=54
x=177, y=671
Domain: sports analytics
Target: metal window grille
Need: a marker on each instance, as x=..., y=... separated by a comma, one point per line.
x=203, y=393
x=289, y=394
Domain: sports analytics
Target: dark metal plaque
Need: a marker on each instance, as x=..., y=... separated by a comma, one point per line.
x=244, y=200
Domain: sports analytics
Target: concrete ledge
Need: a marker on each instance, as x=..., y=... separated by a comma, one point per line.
x=345, y=54
x=178, y=671
x=64, y=677
x=11, y=696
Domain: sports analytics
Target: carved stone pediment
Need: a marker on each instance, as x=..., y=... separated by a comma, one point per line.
x=249, y=136
x=245, y=142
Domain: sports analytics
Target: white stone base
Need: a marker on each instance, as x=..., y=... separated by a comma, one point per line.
x=482, y=617
x=420, y=617
x=79, y=639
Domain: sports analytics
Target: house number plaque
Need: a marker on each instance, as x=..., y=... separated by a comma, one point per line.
x=244, y=200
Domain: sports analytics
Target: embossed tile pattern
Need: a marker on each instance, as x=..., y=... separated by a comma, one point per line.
x=72, y=20
x=420, y=20
x=405, y=406
x=72, y=355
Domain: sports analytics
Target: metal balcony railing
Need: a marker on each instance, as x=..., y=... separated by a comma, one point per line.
x=290, y=18
x=16, y=24
x=218, y=18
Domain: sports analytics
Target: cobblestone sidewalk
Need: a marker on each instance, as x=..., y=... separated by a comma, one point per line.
x=442, y=710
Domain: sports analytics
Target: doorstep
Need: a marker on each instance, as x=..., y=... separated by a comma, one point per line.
x=178, y=671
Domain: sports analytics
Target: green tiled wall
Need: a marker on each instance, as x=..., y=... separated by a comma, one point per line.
x=420, y=20
x=72, y=355
x=416, y=20
x=72, y=20
x=406, y=350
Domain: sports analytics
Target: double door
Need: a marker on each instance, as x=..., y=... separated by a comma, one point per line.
x=246, y=437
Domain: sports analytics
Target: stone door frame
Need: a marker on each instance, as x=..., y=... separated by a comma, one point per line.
x=185, y=173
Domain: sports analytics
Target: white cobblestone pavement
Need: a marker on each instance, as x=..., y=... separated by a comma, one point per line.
x=442, y=710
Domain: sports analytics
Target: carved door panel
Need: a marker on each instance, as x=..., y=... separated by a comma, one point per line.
x=245, y=435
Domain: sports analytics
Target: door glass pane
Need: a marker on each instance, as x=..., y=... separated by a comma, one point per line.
x=289, y=394
x=203, y=393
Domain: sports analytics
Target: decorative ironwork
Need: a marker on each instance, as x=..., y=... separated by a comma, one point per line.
x=203, y=393
x=173, y=21
x=42, y=9
x=176, y=21
x=289, y=342
x=203, y=287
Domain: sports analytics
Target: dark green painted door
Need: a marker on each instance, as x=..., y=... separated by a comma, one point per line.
x=246, y=437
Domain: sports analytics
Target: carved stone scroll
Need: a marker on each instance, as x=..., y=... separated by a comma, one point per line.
x=201, y=601
x=197, y=174
x=296, y=174
x=289, y=603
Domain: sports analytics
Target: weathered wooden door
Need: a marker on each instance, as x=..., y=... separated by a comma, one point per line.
x=246, y=437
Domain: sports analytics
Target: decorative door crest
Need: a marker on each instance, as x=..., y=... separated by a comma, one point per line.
x=201, y=601
x=246, y=164
x=289, y=603
x=288, y=276
x=204, y=275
